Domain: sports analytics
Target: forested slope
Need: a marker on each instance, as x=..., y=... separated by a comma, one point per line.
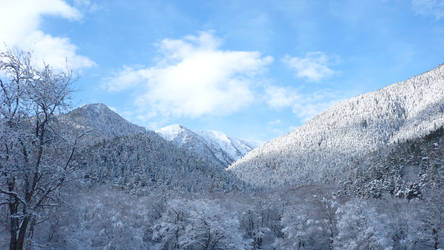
x=323, y=148
x=146, y=159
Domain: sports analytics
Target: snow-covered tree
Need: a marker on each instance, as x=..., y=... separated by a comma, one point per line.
x=35, y=157
x=262, y=222
x=361, y=226
x=198, y=224
x=309, y=224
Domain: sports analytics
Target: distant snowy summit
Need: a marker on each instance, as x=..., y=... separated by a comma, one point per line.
x=233, y=147
x=324, y=149
x=98, y=122
x=208, y=144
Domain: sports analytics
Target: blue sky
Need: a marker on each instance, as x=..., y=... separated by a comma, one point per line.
x=252, y=69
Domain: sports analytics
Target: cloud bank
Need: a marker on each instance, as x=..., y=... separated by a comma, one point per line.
x=193, y=78
x=25, y=33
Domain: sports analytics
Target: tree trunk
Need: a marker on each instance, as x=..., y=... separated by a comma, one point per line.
x=22, y=234
x=14, y=221
x=30, y=233
x=13, y=233
x=331, y=239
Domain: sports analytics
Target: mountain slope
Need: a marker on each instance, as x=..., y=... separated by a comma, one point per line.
x=147, y=160
x=190, y=141
x=323, y=148
x=225, y=148
x=404, y=170
x=99, y=122
x=117, y=151
x=211, y=145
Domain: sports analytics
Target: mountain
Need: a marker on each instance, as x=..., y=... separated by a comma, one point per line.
x=99, y=122
x=190, y=141
x=147, y=160
x=212, y=145
x=325, y=148
x=225, y=148
x=119, y=152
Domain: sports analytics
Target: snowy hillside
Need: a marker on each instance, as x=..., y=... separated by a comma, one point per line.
x=147, y=160
x=100, y=122
x=117, y=151
x=224, y=145
x=321, y=149
x=190, y=141
x=208, y=144
x=404, y=170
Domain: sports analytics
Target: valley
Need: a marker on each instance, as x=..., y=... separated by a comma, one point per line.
x=365, y=174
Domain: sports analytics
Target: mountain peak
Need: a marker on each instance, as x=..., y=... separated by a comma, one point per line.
x=232, y=148
x=96, y=107
x=209, y=144
x=171, y=132
x=102, y=121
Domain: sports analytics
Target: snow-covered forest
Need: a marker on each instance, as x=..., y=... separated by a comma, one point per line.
x=323, y=148
x=366, y=174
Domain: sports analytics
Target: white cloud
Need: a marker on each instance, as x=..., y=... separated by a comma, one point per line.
x=314, y=66
x=429, y=7
x=304, y=106
x=194, y=78
x=279, y=97
x=126, y=78
x=21, y=29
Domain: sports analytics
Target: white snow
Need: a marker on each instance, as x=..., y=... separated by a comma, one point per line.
x=209, y=143
x=321, y=149
x=171, y=132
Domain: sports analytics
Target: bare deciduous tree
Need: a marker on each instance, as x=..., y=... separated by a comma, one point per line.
x=35, y=156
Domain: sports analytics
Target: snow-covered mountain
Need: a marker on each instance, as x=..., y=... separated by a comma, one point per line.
x=190, y=141
x=117, y=151
x=213, y=145
x=148, y=160
x=100, y=122
x=321, y=150
x=226, y=148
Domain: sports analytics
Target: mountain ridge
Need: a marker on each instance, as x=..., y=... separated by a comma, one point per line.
x=348, y=130
x=210, y=144
x=97, y=121
x=116, y=151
